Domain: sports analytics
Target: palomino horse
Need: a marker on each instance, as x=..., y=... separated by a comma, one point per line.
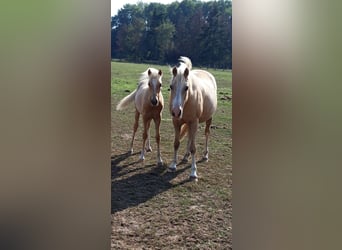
x=193, y=100
x=149, y=103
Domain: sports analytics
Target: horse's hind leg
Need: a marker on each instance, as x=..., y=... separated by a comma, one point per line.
x=135, y=127
x=157, y=124
x=207, y=132
x=176, y=143
x=183, y=132
x=187, y=153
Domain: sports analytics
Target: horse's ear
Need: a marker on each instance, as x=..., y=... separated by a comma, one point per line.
x=186, y=73
x=149, y=72
x=174, y=71
x=160, y=72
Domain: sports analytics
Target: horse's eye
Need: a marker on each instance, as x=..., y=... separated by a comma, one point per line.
x=186, y=88
x=170, y=86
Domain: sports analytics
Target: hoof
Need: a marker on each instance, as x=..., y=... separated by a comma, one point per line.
x=130, y=151
x=193, y=178
x=160, y=164
x=205, y=158
x=148, y=149
x=172, y=169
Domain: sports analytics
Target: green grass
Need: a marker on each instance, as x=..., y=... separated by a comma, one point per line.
x=153, y=208
x=125, y=76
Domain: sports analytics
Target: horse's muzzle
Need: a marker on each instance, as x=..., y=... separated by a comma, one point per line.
x=154, y=101
x=176, y=112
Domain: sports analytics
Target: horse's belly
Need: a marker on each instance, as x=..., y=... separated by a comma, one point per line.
x=205, y=117
x=209, y=109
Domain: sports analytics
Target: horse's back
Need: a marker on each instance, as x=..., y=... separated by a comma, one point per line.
x=206, y=78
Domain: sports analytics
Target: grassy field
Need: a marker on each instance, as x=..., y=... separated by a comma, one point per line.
x=156, y=209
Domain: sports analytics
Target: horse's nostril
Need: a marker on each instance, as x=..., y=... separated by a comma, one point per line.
x=180, y=112
x=173, y=113
x=154, y=101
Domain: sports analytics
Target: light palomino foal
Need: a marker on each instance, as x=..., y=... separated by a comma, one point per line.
x=193, y=100
x=149, y=103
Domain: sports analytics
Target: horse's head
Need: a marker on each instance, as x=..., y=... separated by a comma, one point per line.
x=154, y=83
x=179, y=91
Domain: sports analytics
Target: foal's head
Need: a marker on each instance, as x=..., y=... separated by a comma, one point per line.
x=179, y=91
x=154, y=84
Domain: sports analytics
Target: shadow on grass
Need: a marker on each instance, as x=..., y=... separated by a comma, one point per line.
x=142, y=186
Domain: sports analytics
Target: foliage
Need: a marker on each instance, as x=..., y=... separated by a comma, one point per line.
x=161, y=33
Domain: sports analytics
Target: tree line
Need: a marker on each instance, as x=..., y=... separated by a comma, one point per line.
x=162, y=32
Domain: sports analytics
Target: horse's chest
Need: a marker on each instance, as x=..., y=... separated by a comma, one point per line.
x=197, y=110
x=152, y=111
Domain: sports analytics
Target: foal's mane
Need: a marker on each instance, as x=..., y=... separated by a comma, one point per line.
x=144, y=78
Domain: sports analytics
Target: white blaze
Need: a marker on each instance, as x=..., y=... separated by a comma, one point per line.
x=177, y=101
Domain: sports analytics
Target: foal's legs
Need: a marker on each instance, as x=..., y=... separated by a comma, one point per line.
x=148, y=143
x=135, y=127
x=176, y=143
x=157, y=124
x=207, y=132
x=145, y=136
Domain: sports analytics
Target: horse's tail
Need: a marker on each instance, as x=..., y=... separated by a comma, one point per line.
x=186, y=61
x=126, y=101
x=184, y=131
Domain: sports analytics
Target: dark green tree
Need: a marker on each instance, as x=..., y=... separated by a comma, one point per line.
x=199, y=30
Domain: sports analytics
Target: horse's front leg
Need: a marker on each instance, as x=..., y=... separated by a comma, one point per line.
x=176, y=143
x=192, y=136
x=135, y=127
x=148, y=143
x=145, y=136
x=157, y=124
